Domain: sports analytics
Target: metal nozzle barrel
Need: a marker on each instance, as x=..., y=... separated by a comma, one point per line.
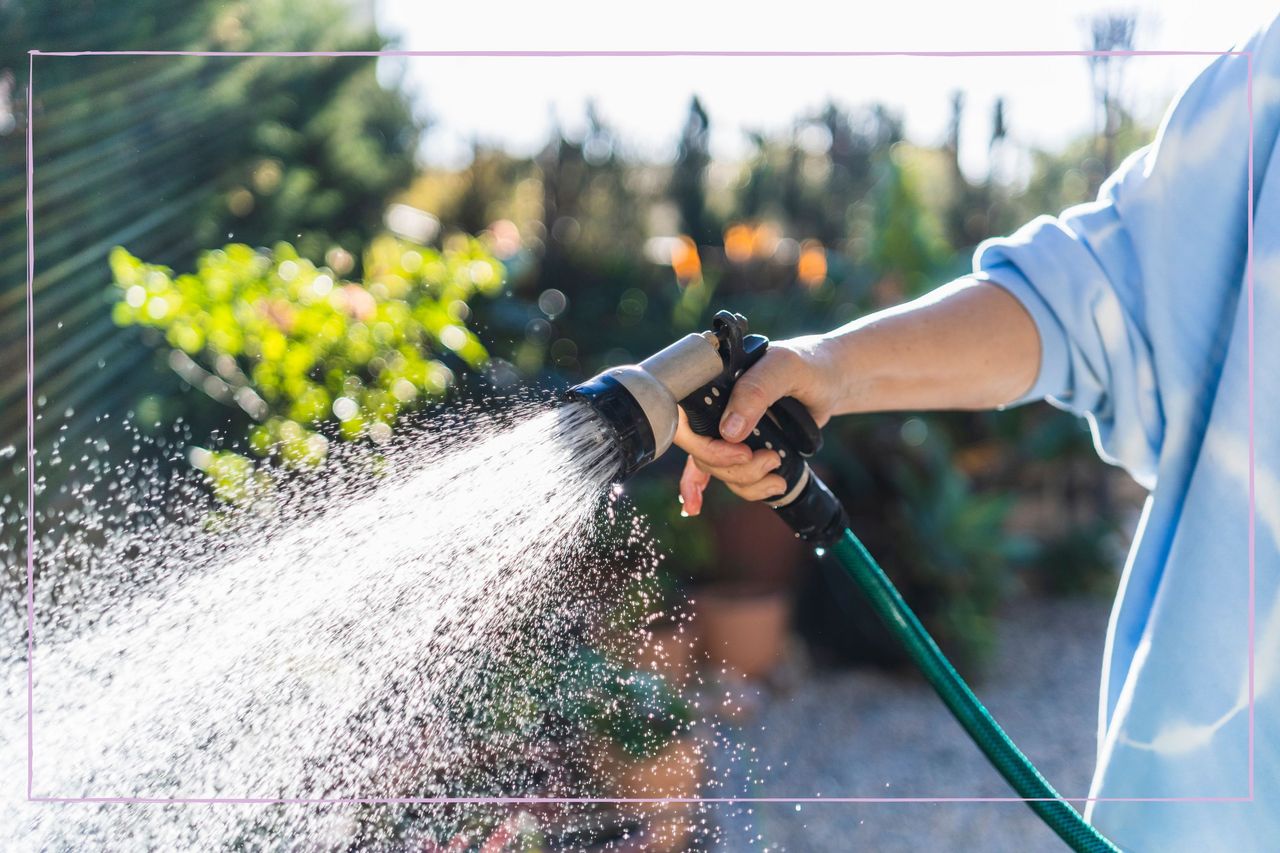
x=639, y=401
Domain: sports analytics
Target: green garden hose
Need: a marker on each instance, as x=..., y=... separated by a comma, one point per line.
x=637, y=403
x=1004, y=755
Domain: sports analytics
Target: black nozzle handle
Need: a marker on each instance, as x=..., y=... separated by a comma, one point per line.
x=806, y=504
x=793, y=418
x=816, y=514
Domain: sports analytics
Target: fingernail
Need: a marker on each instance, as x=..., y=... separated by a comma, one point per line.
x=733, y=425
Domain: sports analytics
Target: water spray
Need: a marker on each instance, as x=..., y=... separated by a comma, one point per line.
x=639, y=402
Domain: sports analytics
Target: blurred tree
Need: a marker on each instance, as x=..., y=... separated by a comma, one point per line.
x=811, y=180
x=853, y=152
x=595, y=228
x=1111, y=35
x=689, y=175
x=1067, y=176
x=754, y=196
x=609, y=211
x=999, y=128
x=486, y=183
x=960, y=212
x=970, y=215
x=330, y=144
x=906, y=248
x=952, y=143
x=171, y=155
x=1058, y=179
x=998, y=149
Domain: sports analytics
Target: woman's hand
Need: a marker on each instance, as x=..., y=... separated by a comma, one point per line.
x=967, y=345
x=797, y=368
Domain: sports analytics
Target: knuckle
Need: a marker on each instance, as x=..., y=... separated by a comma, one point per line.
x=751, y=390
x=726, y=454
x=766, y=462
x=770, y=487
x=783, y=357
x=752, y=489
x=724, y=475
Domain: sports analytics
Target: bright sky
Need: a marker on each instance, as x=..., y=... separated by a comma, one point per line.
x=1048, y=99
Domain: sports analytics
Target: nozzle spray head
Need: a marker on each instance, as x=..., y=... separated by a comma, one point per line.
x=639, y=400
x=639, y=403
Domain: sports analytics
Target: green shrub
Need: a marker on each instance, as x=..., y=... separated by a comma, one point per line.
x=637, y=711
x=304, y=353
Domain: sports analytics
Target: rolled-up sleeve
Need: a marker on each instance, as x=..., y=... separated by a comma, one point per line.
x=1079, y=278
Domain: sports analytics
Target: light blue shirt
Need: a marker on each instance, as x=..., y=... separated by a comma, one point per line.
x=1143, y=311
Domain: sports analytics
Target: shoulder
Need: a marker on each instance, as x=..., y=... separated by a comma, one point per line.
x=1263, y=44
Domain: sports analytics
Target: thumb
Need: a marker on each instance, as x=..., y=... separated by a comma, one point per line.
x=755, y=391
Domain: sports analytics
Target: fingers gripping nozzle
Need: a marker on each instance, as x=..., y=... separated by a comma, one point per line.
x=698, y=372
x=786, y=428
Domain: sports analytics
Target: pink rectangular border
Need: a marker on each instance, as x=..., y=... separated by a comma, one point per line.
x=1249, y=285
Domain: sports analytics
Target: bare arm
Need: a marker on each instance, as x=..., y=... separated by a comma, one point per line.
x=967, y=345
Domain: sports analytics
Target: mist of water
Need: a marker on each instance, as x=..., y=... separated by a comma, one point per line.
x=346, y=636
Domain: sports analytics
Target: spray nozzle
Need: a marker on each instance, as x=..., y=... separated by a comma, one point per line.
x=698, y=373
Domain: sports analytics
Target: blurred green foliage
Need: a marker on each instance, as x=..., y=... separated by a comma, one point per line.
x=959, y=533
x=298, y=348
x=329, y=143
x=172, y=155
x=637, y=711
x=831, y=219
x=907, y=243
x=607, y=258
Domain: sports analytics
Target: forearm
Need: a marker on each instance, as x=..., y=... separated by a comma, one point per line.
x=967, y=345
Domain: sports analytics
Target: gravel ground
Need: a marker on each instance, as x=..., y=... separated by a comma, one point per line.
x=865, y=734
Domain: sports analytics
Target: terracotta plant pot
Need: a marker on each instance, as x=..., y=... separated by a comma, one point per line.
x=669, y=649
x=675, y=772
x=743, y=627
x=755, y=546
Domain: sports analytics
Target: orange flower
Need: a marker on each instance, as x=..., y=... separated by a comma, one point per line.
x=738, y=243
x=764, y=240
x=811, y=269
x=685, y=261
x=359, y=302
x=280, y=313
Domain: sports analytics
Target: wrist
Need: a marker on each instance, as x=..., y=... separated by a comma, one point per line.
x=840, y=367
x=816, y=377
